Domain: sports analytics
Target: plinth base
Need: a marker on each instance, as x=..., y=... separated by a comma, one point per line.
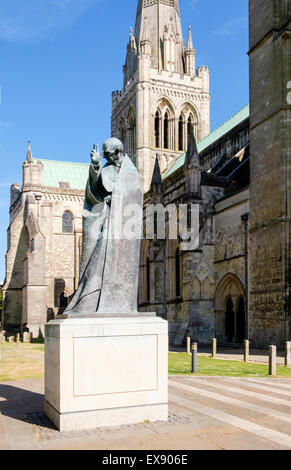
x=106, y=372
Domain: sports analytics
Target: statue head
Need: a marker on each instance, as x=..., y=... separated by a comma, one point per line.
x=113, y=151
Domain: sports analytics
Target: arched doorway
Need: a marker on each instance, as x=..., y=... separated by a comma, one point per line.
x=240, y=319
x=229, y=321
x=230, y=310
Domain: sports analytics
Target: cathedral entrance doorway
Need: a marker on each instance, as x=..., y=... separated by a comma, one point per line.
x=229, y=321
x=230, y=311
x=240, y=320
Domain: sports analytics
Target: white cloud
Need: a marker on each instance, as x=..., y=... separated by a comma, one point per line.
x=6, y=125
x=230, y=27
x=194, y=4
x=35, y=19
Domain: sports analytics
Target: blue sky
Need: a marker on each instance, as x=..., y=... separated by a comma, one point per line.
x=61, y=59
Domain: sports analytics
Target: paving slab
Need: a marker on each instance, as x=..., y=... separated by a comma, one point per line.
x=205, y=413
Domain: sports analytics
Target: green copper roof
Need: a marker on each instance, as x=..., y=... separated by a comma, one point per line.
x=54, y=173
x=211, y=138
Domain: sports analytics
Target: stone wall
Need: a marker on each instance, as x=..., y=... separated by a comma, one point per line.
x=270, y=197
x=41, y=261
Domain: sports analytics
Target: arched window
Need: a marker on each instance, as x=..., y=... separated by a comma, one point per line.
x=166, y=131
x=181, y=132
x=148, y=268
x=157, y=130
x=155, y=224
x=121, y=131
x=67, y=222
x=178, y=273
x=131, y=145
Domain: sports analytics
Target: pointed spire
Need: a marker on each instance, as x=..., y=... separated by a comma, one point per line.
x=131, y=39
x=192, y=155
x=29, y=154
x=157, y=177
x=190, y=41
x=156, y=27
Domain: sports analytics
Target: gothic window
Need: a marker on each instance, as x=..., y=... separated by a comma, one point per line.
x=157, y=130
x=67, y=222
x=148, y=269
x=156, y=224
x=8, y=239
x=178, y=273
x=189, y=217
x=166, y=131
x=131, y=140
x=121, y=131
x=181, y=132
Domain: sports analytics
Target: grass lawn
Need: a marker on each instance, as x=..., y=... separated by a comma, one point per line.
x=180, y=364
x=21, y=361
x=26, y=361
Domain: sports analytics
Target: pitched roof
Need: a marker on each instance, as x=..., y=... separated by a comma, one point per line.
x=54, y=173
x=211, y=138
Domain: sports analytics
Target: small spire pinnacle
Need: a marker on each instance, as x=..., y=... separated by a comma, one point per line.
x=131, y=39
x=192, y=155
x=157, y=177
x=190, y=41
x=29, y=154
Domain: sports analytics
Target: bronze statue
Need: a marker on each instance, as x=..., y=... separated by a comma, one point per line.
x=112, y=228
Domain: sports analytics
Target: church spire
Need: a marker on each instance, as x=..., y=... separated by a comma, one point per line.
x=161, y=17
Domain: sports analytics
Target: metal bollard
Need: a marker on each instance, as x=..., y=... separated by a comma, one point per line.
x=188, y=345
x=194, y=358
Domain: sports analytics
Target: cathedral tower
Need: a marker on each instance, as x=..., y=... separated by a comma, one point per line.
x=164, y=98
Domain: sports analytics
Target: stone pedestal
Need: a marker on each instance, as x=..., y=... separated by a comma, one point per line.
x=106, y=371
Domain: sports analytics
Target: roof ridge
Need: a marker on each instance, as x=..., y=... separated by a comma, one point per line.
x=225, y=122
x=60, y=161
x=206, y=141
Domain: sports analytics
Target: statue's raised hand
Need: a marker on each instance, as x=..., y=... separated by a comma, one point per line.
x=95, y=157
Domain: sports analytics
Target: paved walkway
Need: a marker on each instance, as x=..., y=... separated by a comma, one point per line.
x=205, y=413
